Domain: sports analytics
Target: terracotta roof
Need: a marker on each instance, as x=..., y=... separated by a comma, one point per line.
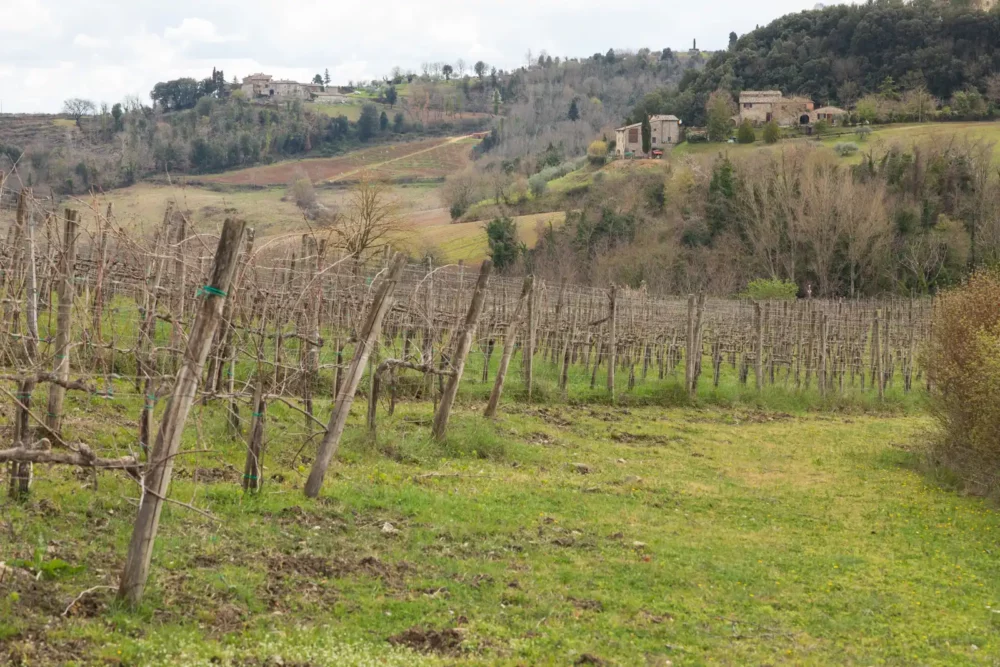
x=760, y=96
x=837, y=111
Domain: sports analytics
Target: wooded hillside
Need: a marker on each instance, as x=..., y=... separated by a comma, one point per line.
x=838, y=54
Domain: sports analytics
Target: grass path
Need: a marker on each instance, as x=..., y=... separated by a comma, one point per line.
x=375, y=166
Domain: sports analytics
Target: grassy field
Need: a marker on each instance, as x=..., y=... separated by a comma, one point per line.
x=425, y=223
x=584, y=534
x=881, y=138
x=327, y=169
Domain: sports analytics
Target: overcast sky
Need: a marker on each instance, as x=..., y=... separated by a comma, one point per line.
x=105, y=49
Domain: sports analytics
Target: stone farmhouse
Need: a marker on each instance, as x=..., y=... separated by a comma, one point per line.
x=763, y=106
x=264, y=85
x=665, y=131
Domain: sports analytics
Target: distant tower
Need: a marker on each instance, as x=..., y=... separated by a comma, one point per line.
x=694, y=44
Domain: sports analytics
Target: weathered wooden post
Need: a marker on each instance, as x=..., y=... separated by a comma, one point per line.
x=509, y=339
x=156, y=478
x=528, y=349
x=367, y=340
x=464, y=344
x=252, y=478
x=821, y=378
x=877, y=353
x=66, y=291
x=758, y=361
x=612, y=338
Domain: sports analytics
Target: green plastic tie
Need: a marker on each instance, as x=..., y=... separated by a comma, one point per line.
x=52, y=414
x=60, y=356
x=258, y=414
x=252, y=477
x=209, y=290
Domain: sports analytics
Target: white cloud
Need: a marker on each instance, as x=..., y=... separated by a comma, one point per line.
x=25, y=18
x=117, y=49
x=88, y=42
x=197, y=30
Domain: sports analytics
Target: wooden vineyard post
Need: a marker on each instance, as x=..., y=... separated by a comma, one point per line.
x=696, y=348
x=252, y=479
x=567, y=353
x=156, y=478
x=464, y=344
x=20, y=471
x=176, y=326
x=528, y=355
x=821, y=370
x=427, y=352
x=66, y=292
x=689, y=346
x=367, y=340
x=758, y=346
x=612, y=338
x=877, y=353
x=509, y=339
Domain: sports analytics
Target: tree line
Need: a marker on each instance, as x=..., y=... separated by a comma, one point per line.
x=911, y=220
x=845, y=53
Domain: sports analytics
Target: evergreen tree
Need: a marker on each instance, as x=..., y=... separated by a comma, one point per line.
x=647, y=133
x=746, y=135
x=574, y=111
x=391, y=96
x=504, y=248
x=772, y=133
x=383, y=122
x=368, y=122
x=719, y=110
x=326, y=76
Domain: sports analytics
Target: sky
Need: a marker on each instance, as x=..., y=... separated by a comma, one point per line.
x=104, y=50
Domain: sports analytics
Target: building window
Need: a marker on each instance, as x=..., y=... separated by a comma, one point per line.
x=654, y=140
x=633, y=135
x=748, y=105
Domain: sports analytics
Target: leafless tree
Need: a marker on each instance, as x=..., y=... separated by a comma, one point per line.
x=371, y=217
x=77, y=107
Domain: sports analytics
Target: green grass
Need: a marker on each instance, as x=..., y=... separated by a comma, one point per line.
x=740, y=527
x=698, y=536
x=882, y=137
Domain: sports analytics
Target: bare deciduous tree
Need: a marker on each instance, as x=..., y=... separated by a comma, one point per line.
x=371, y=218
x=77, y=107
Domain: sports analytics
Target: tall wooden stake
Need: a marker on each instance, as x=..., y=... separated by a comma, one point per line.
x=66, y=291
x=345, y=397
x=509, y=339
x=156, y=479
x=440, y=426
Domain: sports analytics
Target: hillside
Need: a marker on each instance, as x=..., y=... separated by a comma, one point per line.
x=838, y=54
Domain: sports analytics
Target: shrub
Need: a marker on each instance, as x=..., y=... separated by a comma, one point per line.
x=597, y=152
x=504, y=247
x=964, y=365
x=537, y=185
x=696, y=137
x=302, y=193
x=772, y=133
x=863, y=132
x=846, y=148
x=746, y=135
x=763, y=289
x=821, y=127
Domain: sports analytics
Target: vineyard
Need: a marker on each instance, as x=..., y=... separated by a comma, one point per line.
x=159, y=328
